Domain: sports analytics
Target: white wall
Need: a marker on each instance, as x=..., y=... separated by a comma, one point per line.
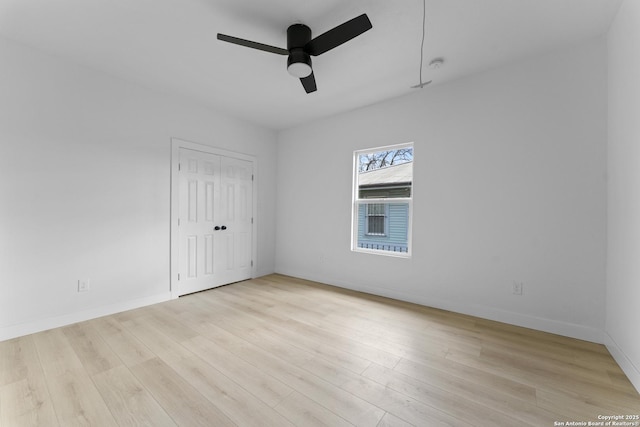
x=509, y=182
x=84, y=188
x=623, y=249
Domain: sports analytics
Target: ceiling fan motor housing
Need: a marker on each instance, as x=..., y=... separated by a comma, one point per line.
x=299, y=61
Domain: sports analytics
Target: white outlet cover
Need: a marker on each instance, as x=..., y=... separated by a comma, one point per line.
x=83, y=285
x=517, y=288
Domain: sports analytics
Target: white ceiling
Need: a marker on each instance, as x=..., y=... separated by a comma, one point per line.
x=171, y=45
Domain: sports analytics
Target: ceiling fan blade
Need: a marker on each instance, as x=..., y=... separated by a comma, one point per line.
x=309, y=83
x=338, y=35
x=254, y=45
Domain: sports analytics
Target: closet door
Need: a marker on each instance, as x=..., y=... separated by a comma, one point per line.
x=235, y=217
x=215, y=231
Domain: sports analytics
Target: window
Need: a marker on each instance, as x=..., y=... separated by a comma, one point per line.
x=382, y=200
x=376, y=219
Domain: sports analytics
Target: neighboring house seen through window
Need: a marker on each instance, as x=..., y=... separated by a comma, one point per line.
x=383, y=200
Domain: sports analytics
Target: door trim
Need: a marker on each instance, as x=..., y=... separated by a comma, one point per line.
x=176, y=145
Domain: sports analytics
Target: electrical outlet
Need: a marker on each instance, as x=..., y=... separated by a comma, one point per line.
x=517, y=288
x=83, y=285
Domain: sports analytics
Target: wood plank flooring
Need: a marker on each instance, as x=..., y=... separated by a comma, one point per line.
x=280, y=351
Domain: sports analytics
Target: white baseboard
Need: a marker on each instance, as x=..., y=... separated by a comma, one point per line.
x=541, y=324
x=21, y=329
x=571, y=330
x=628, y=367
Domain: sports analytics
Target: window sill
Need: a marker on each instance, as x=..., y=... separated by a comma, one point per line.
x=382, y=252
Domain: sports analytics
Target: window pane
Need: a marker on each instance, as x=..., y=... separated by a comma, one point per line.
x=375, y=209
x=385, y=174
x=376, y=225
x=383, y=226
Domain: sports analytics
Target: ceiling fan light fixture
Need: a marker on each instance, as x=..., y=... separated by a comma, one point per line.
x=299, y=63
x=299, y=69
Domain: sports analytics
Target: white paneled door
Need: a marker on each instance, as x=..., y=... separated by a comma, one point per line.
x=215, y=229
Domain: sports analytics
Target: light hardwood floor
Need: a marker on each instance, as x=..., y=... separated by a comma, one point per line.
x=279, y=351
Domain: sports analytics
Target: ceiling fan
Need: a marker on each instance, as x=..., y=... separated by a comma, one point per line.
x=300, y=46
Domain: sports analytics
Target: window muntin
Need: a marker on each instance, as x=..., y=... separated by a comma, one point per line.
x=382, y=200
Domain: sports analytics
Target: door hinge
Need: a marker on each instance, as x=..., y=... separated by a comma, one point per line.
x=251, y=263
x=251, y=220
x=251, y=177
x=178, y=222
x=178, y=276
x=179, y=166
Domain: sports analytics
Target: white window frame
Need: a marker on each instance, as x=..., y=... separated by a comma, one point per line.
x=356, y=202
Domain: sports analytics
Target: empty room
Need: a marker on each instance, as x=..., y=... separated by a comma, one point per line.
x=320, y=213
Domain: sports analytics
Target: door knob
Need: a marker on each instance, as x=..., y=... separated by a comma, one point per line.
x=224, y=227
x=216, y=228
